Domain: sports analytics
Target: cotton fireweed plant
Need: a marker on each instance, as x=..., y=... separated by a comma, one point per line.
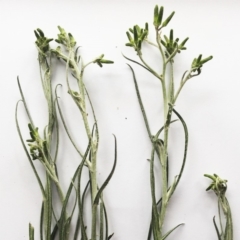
x=44, y=148
x=168, y=47
x=219, y=186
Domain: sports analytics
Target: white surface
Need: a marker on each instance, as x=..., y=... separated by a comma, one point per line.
x=208, y=103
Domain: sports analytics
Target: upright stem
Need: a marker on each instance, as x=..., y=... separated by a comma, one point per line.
x=93, y=168
x=167, y=98
x=163, y=154
x=171, y=84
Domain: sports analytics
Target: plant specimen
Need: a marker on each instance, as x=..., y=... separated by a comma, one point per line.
x=219, y=186
x=44, y=148
x=168, y=47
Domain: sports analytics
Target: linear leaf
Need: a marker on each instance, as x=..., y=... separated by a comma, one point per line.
x=141, y=103
x=26, y=151
x=48, y=207
x=169, y=232
x=106, y=221
x=31, y=232
x=155, y=225
x=216, y=228
x=69, y=193
x=96, y=200
x=57, y=135
x=54, y=231
x=41, y=222
x=110, y=236
x=101, y=221
x=80, y=203
x=137, y=63
x=78, y=219
x=24, y=102
x=94, y=116
x=64, y=123
x=185, y=149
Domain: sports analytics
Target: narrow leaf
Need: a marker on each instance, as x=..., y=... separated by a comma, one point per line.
x=141, y=103
x=137, y=63
x=160, y=16
x=31, y=232
x=96, y=200
x=216, y=228
x=185, y=149
x=206, y=59
x=155, y=216
x=26, y=151
x=155, y=16
x=80, y=201
x=41, y=221
x=135, y=34
x=110, y=236
x=101, y=221
x=165, y=23
x=69, y=192
x=169, y=232
x=64, y=123
x=171, y=36
x=24, y=102
x=48, y=207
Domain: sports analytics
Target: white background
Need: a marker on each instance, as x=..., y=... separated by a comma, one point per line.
x=209, y=104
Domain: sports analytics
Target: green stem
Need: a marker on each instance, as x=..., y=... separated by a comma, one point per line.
x=155, y=224
x=164, y=153
x=93, y=169
x=158, y=40
x=171, y=84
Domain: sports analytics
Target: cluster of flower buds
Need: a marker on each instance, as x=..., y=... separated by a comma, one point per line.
x=65, y=39
x=42, y=42
x=136, y=36
x=158, y=16
x=36, y=150
x=219, y=186
x=100, y=61
x=198, y=62
x=172, y=45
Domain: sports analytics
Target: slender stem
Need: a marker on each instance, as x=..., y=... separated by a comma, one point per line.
x=79, y=75
x=158, y=40
x=164, y=153
x=82, y=106
x=164, y=156
x=164, y=92
x=171, y=84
